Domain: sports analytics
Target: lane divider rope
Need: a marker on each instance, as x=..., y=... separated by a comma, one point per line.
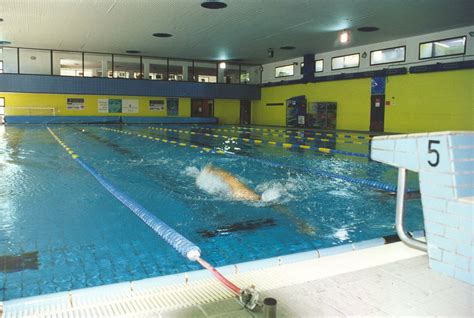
x=386, y=187
x=306, y=131
x=248, y=296
x=285, y=145
x=299, y=137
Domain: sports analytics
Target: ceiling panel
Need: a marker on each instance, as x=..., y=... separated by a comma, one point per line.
x=245, y=29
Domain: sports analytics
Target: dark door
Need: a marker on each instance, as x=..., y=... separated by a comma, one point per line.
x=245, y=112
x=202, y=108
x=377, y=113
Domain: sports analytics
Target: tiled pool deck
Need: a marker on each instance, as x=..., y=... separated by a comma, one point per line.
x=387, y=280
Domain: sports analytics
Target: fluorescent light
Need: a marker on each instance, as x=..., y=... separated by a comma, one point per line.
x=442, y=44
x=344, y=37
x=222, y=65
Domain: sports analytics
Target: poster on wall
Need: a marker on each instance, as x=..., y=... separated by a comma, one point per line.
x=172, y=106
x=115, y=105
x=103, y=105
x=75, y=104
x=130, y=106
x=157, y=105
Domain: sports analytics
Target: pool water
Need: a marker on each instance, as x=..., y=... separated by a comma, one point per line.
x=61, y=230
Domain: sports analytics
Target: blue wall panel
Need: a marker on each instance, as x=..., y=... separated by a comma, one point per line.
x=107, y=119
x=105, y=86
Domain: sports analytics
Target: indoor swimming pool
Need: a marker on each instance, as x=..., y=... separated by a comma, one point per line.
x=61, y=230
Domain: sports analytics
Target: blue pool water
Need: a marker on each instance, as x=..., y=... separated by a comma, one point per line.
x=82, y=236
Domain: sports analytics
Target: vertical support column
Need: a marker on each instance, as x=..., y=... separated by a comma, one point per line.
x=308, y=69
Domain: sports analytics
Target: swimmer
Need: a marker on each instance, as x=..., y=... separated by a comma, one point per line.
x=240, y=191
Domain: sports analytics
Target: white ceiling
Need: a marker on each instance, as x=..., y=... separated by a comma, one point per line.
x=245, y=29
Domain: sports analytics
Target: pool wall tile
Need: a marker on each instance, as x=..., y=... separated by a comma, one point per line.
x=335, y=250
x=368, y=243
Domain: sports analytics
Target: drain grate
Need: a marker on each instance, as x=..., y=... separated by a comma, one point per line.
x=19, y=262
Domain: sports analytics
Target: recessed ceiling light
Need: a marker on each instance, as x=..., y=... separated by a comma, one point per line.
x=344, y=37
x=368, y=29
x=288, y=47
x=132, y=51
x=162, y=35
x=1, y=20
x=5, y=42
x=222, y=65
x=213, y=4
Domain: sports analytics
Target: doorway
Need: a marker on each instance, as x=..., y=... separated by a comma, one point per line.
x=245, y=112
x=377, y=113
x=202, y=108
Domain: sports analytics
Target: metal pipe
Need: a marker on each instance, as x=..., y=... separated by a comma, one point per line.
x=400, y=211
x=269, y=308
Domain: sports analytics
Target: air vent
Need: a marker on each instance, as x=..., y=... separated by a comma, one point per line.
x=368, y=29
x=213, y=5
x=162, y=35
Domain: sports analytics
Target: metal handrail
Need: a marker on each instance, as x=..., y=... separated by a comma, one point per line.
x=400, y=213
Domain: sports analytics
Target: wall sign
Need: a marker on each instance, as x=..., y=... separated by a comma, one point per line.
x=115, y=105
x=75, y=104
x=130, y=106
x=172, y=106
x=378, y=85
x=103, y=105
x=157, y=105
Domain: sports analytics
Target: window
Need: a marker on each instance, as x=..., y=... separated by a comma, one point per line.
x=35, y=61
x=446, y=47
x=392, y=55
x=97, y=65
x=346, y=61
x=1, y=66
x=283, y=71
x=318, y=66
x=67, y=63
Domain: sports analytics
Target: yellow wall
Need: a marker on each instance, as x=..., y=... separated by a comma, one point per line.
x=423, y=102
x=430, y=102
x=227, y=110
x=352, y=97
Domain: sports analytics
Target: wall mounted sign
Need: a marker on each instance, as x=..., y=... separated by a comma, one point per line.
x=172, y=106
x=157, y=105
x=75, y=104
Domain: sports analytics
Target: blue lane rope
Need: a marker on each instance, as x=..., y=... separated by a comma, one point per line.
x=177, y=241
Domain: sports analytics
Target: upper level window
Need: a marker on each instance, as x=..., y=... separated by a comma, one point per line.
x=282, y=71
x=446, y=47
x=1, y=66
x=318, y=66
x=346, y=61
x=392, y=55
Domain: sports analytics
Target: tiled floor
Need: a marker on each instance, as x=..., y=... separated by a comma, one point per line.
x=403, y=288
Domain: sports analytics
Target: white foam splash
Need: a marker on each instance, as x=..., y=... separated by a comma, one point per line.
x=212, y=184
x=191, y=172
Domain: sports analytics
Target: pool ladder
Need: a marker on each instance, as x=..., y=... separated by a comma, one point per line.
x=400, y=214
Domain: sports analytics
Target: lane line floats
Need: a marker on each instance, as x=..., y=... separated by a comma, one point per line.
x=299, y=137
x=305, y=131
x=386, y=187
x=248, y=296
x=285, y=145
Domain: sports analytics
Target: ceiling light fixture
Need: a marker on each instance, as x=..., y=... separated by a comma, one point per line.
x=5, y=42
x=213, y=4
x=132, y=51
x=1, y=20
x=162, y=35
x=222, y=65
x=288, y=47
x=344, y=37
x=270, y=52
